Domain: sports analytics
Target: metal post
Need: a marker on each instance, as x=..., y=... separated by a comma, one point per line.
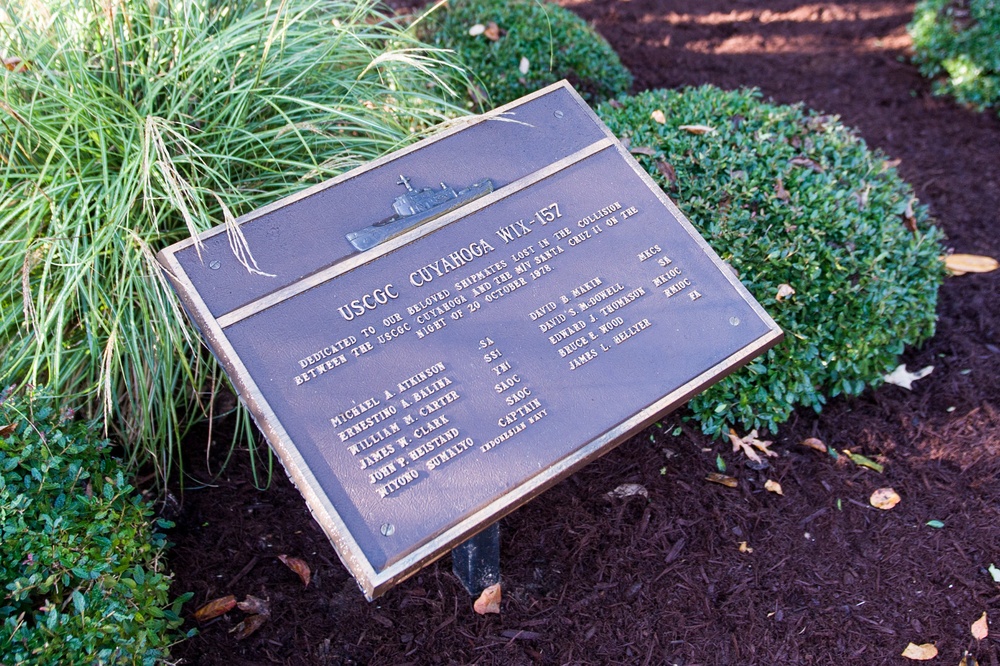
x=477, y=561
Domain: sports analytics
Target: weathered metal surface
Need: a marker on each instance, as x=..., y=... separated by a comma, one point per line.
x=422, y=389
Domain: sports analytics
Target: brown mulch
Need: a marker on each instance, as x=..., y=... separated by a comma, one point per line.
x=588, y=580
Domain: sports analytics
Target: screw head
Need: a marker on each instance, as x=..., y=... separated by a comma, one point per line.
x=388, y=529
x=558, y=114
x=215, y=264
x=735, y=321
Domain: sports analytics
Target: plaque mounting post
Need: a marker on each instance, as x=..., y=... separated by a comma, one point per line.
x=476, y=562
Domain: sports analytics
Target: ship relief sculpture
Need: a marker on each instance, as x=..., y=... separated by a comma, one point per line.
x=416, y=207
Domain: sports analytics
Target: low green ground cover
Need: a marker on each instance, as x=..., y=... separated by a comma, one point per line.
x=81, y=568
x=128, y=125
x=788, y=197
x=552, y=41
x=957, y=43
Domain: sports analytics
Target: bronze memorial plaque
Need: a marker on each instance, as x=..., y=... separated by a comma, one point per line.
x=454, y=328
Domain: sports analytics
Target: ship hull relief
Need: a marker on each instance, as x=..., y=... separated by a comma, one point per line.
x=417, y=207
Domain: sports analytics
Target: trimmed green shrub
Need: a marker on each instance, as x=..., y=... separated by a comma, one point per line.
x=957, y=42
x=128, y=125
x=556, y=43
x=80, y=566
x=793, y=198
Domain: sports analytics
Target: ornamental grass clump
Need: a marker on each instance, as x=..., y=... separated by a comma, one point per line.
x=957, y=43
x=81, y=569
x=514, y=47
x=820, y=229
x=128, y=125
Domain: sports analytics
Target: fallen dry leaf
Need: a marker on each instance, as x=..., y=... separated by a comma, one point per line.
x=744, y=548
x=968, y=660
x=960, y=264
x=820, y=121
x=658, y=116
x=255, y=605
x=884, y=498
x=994, y=572
x=215, y=608
x=814, y=443
x=642, y=150
x=492, y=31
x=920, y=652
x=803, y=161
x=629, y=490
x=615, y=104
x=697, y=129
x=780, y=191
x=909, y=219
x=891, y=164
x=739, y=444
x=7, y=430
x=784, y=291
x=15, y=64
x=722, y=480
x=248, y=626
x=489, y=600
x=667, y=170
x=862, y=197
x=524, y=65
x=901, y=377
x=297, y=565
x=748, y=443
x=773, y=486
x=477, y=30
x=981, y=628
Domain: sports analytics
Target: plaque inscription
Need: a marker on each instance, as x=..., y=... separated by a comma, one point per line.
x=421, y=389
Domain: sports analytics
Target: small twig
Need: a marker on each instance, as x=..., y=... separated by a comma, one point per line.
x=244, y=571
x=811, y=517
x=861, y=504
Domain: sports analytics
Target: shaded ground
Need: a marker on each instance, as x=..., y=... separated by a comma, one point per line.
x=588, y=580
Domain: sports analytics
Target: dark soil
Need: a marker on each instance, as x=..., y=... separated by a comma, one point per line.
x=588, y=580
